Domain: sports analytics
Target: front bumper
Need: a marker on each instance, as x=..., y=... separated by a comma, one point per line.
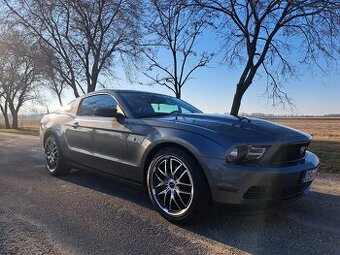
x=258, y=185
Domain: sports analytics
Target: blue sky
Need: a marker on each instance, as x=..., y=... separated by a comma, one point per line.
x=212, y=89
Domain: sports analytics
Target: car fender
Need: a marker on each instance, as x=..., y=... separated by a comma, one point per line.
x=199, y=146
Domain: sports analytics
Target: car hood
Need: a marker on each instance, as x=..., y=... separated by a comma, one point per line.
x=228, y=128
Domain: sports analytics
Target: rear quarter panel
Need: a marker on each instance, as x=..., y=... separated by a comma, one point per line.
x=54, y=123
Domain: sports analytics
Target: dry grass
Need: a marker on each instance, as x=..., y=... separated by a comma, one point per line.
x=28, y=126
x=23, y=131
x=320, y=128
x=326, y=143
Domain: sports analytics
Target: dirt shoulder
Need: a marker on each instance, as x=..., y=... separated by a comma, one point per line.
x=21, y=131
x=327, y=183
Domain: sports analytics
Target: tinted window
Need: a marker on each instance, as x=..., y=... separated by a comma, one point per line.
x=89, y=104
x=151, y=105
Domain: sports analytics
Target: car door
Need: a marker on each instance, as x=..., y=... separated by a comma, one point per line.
x=109, y=137
x=79, y=133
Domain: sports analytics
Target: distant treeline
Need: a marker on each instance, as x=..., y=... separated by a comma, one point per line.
x=269, y=115
x=33, y=116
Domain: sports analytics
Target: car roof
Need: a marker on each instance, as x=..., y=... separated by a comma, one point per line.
x=118, y=91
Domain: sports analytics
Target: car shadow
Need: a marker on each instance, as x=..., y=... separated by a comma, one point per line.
x=299, y=226
x=109, y=185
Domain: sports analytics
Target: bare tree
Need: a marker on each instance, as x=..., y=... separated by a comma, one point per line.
x=85, y=36
x=19, y=70
x=51, y=77
x=57, y=85
x=263, y=36
x=7, y=78
x=4, y=107
x=174, y=29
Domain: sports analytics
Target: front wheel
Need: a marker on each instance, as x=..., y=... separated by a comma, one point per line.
x=54, y=161
x=177, y=186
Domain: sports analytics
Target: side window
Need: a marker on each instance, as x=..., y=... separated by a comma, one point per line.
x=164, y=108
x=89, y=105
x=185, y=110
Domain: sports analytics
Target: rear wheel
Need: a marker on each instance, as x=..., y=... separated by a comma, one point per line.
x=54, y=160
x=177, y=186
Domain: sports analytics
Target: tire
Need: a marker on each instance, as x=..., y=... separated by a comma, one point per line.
x=54, y=161
x=177, y=187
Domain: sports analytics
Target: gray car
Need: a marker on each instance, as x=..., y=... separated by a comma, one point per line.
x=186, y=159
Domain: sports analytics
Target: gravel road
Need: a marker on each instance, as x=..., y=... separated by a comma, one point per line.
x=83, y=213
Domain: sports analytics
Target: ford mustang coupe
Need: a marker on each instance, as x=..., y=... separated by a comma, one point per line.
x=186, y=159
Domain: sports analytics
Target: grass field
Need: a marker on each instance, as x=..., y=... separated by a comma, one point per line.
x=22, y=131
x=28, y=126
x=325, y=131
x=326, y=139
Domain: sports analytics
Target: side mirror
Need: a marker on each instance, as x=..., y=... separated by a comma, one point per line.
x=106, y=112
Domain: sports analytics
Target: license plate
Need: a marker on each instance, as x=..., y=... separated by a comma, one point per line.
x=310, y=175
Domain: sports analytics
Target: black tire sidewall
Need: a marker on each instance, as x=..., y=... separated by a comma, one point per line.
x=61, y=166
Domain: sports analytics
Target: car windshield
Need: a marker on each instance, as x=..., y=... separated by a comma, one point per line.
x=153, y=105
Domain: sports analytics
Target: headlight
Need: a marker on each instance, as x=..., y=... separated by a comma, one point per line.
x=247, y=153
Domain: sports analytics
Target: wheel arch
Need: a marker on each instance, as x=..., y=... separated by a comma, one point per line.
x=166, y=144
x=47, y=134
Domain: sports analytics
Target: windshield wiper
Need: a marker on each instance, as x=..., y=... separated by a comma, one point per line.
x=241, y=118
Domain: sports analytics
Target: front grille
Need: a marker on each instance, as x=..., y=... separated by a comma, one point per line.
x=289, y=153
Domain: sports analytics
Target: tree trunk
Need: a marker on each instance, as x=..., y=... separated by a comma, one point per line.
x=235, y=108
x=60, y=100
x=241, y=88
x=5, y=114
x=15, y=120
x=7, y=124
x=178, y=94
x=90, y=88
x=14, y=112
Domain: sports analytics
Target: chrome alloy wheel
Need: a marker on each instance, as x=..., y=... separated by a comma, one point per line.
x=172, y=185
x=51, y=155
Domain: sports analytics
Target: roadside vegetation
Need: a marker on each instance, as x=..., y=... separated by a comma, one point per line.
x=21, y=131
x=27, y=125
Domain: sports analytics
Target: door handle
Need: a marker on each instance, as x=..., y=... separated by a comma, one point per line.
x=75, y=125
